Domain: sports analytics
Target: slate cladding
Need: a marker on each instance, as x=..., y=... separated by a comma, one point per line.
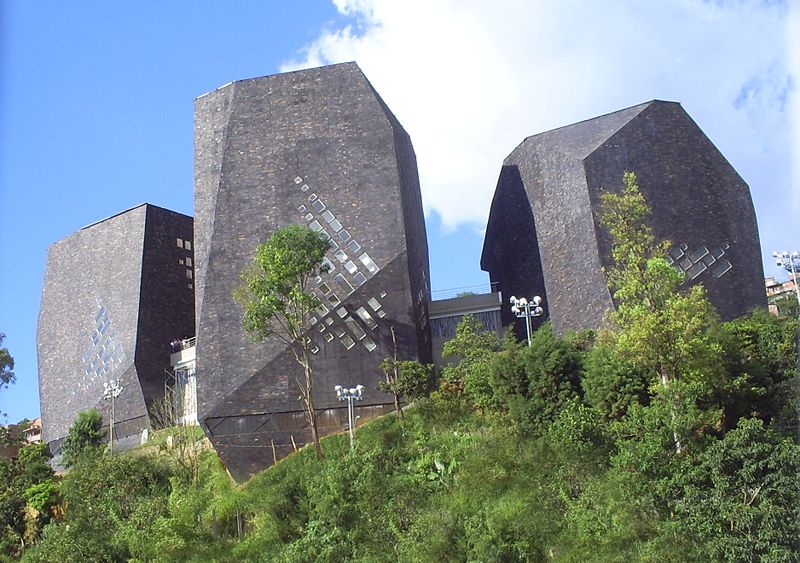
x=115, y=294
x=544, y=238
x=318, y=148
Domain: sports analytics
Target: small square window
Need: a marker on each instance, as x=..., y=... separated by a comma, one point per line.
x=324, y=288
x=374, y=303
x=350, y=267
x=336, y=225
x=360, y=278
x=188, y=274
x=315, y=226
x=298, y=180
x=318, y=206
x=308, y=216
x=321, y=327
x=179, y=242
x=312, y=198
x=369, y=344
x=328, y=216
x=341, y=256
x=342, y=312
x=344, y=235
x=329, y=321
x=333, y=245
x=368, y=263
x=334, y=299
x=187, y=244
x=302, y=208
x=354, y=246
x=328, y=337
x=191, y=286
x=188, y=261
x=180, y=261
x=347, y=341
x=304, y=188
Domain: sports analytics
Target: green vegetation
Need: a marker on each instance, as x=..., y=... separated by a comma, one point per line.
x=666, y=436
x=278, y=301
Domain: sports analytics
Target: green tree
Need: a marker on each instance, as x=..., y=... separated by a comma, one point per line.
x=83, y=437
x=612, y=384
x=409, y=379
x=533, y=383
x=658, y=326
x=7, y=376
x=470, y=355
x=277, y=299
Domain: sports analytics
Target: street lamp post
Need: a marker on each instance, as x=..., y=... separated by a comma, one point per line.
x=789, y=261
x=353, y=394
x=524, y=308
x=112, y=390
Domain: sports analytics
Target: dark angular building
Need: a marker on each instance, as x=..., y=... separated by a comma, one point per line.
x=544, y=238
x=318, y=148
x=115, y=294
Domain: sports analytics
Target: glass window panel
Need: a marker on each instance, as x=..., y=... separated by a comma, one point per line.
x=179, y=242
x=318, y=205
x=381, y=313
x=302, y=208
x=360, y=278
x=322, y=310
x=321, y=327
x=342, y=312
x=328, y=337
x=324, y=288
x=350, y=267
x=188, y=261
x=312, y=321
x=298, y=180
x=188, y=274
x=329, y=321
x=344, y=283
x=187, y=245
x=328, y=265
x=315, y=226
x=340, y=331
x=354, y=246
x=369, y=344
x=334, y=299
x=334, y=245
x=312, y=197
x=374, y=303
x=344, y=235
x=304, y=188
x=383, y=294
x=347, y=341
x=336, y=225
x=314, y=349
x=180, y=261
x=328, y=216
x=340, y=255
x=308, y=216
x=368, y=263
x=364, y=315
x=354, y=328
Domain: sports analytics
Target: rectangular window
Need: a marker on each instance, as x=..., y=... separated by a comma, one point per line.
x=344, y=235
x=336, y=225
x=318, y=206
x=188, y=274
x=360, y=278
x=340, y=255
x=364, y=315
x=354, y=246
x=350, y=267
x=187, y=244
x=354, y=328
x=179, y=242
x=340, y=279
x=368, y=263
x=374, y=303
x=342, y=312
x=324, y=288
x=369, y=344
x=188, y=261
x=347, y=341
x=315, y=226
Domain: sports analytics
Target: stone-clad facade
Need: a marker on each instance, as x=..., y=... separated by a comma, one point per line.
x=543, y=236
x=317, y=148
x=115, y=294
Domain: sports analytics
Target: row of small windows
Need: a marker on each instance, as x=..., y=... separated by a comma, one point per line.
x=347, y=329
x=182, y=243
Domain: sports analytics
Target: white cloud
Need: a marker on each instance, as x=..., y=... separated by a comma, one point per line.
x=470, y=79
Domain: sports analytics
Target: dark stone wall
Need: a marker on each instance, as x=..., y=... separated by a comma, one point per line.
x=697, y=198
x=166, y=308
x=97, y=320
x=268, y=151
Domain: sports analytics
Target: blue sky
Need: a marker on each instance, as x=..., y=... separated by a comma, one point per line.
x=96, y=103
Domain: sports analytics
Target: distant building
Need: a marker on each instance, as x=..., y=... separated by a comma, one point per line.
x=446, y=314
x=115, y=294
x=317, y=148
x=544, y=236
x=781, y=296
